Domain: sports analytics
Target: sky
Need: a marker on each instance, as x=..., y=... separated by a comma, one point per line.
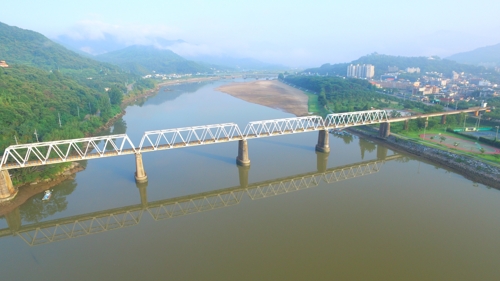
x=293, y=33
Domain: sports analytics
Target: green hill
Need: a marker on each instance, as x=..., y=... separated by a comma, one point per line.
x=25, y=47
x=146, y=59
x=489, y=55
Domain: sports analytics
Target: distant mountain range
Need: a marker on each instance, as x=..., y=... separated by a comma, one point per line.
x=239, y=64
x=111, y=44
x=486, y=56
x=148, y=59
x=382, y=62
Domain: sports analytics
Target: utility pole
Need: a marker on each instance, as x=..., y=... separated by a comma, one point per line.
x=496, y=133
x=18, y=143
x=36, y=136
x=465, y=118
x=59, y=114
x=78, y=110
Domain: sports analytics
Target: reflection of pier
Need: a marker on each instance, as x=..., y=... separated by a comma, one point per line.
x=96, y=222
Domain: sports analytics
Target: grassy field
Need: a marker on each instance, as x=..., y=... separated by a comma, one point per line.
x=415, y=136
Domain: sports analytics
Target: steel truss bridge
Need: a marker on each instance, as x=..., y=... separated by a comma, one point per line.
x=98, y=222
x=44, y=153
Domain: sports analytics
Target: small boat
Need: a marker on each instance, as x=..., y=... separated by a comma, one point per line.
x=47, y=195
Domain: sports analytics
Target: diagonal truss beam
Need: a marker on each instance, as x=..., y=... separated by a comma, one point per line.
x=358, y=118
x=42, y=153
x=276, y=127
x=189, y=136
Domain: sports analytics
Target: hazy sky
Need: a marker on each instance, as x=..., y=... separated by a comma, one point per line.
x=294, y=33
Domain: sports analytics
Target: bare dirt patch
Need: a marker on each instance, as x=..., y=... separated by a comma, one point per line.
x=270, y=93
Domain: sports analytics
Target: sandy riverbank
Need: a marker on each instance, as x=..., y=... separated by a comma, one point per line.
x=270, y=93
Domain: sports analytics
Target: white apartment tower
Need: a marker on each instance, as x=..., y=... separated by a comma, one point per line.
x=361, y=71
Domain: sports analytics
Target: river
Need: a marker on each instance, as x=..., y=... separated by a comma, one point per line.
x=385, y=216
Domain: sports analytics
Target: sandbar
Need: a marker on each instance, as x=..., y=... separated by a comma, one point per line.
x=270, y=93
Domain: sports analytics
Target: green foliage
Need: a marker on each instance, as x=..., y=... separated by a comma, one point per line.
x=33, y=99
x=115, y=95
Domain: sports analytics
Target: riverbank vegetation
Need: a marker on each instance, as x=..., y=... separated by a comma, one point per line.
x=329, y=94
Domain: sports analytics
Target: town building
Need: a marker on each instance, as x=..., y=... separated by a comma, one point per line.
x=361, y=71
x=3, y=64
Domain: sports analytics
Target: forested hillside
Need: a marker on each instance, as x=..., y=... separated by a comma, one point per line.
x=50, y=93
x=26, y=47
x=33, y=99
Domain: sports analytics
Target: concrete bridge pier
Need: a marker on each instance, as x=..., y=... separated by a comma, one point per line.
x=243, y=175
x=407, y=124
x=443, y=119
x=143, y=192
x=323, y=141
x=384, y=130
x=242, y=159
x=7, y=189
x=140, y=173
x=321, y=161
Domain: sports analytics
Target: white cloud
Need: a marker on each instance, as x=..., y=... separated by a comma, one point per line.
x=125, y=33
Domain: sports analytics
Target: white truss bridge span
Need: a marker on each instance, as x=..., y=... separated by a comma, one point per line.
x=43, y=153
x=103, y=221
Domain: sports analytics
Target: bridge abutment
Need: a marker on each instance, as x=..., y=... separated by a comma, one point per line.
x=242, y=159
x=7, y=189
x=323, y=141
x=384, y=130
x=140, y=173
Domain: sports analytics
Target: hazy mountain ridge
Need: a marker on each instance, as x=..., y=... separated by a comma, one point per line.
x=382, y=62
x=21, y=46
x=488, y=56
x=146, y=59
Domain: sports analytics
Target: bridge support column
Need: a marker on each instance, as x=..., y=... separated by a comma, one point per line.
x=242, y=159
x=140, y=173
x=407, y=124
x=384, y=130
x=321, y=161
x=243, y=175
x=323, y=141
x=443, y=119
x=7, y=189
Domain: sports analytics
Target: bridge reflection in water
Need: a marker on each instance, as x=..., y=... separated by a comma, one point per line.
x=102, y=221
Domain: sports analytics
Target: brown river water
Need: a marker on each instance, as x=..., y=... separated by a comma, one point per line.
x=361, y=212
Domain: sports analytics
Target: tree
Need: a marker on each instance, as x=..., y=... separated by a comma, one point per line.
x=115, y=95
